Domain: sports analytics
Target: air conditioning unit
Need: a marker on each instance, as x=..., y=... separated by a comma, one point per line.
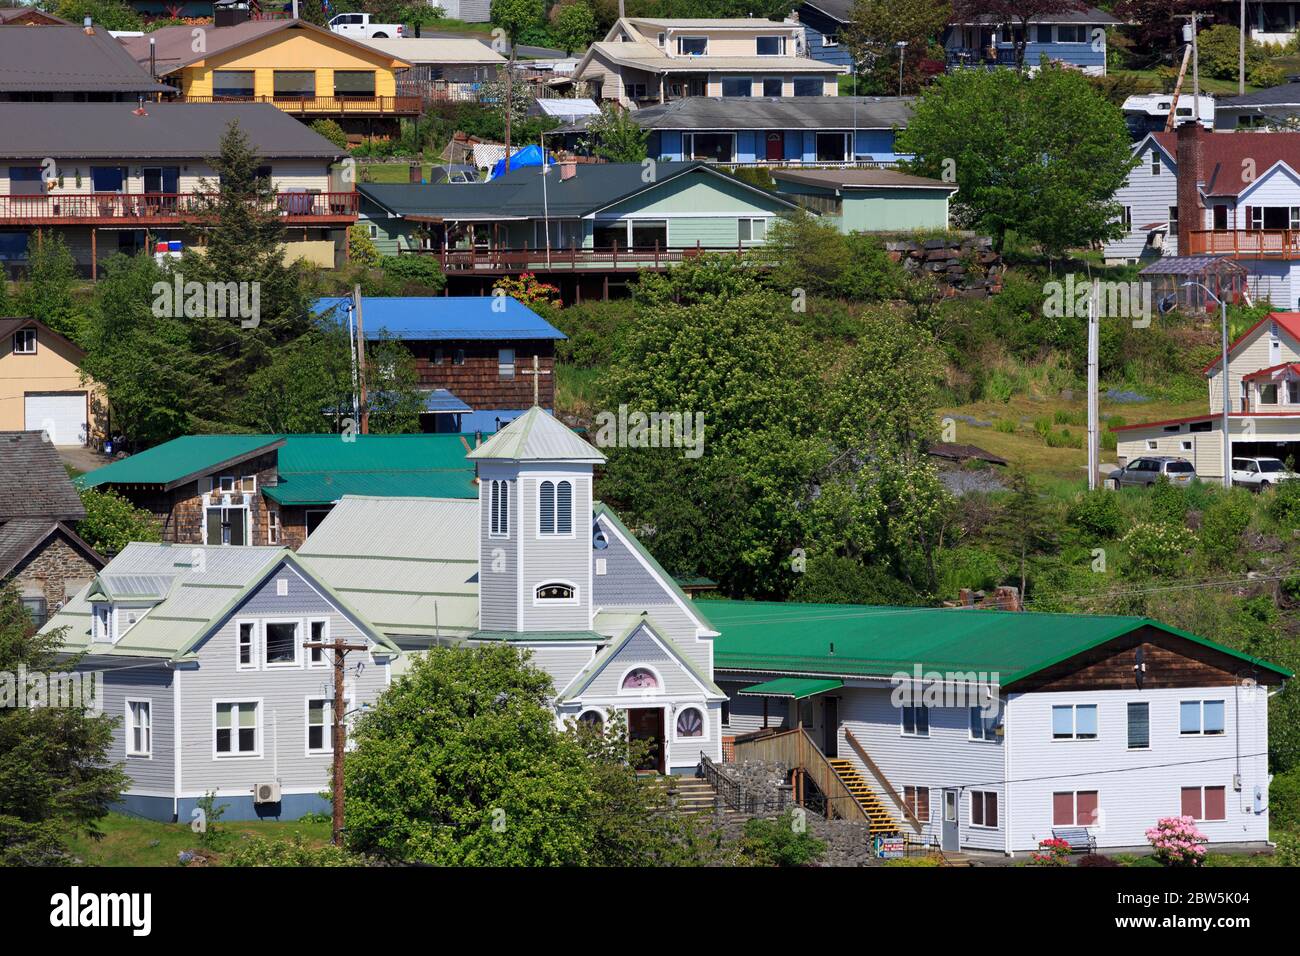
x=266, y=793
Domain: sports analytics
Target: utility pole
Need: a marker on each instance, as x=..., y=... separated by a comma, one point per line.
x=1190, y=30
x=361, y=361
x=340, y=649
x=1241, y=53
x=1171, y=122
x=1094, y=348
x=510, y=100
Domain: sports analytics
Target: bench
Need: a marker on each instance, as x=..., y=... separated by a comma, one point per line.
x=1080, y=839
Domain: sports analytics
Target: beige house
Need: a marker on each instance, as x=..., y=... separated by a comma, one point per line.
x=42, y=388
x=643, y=61
x=1263, y=405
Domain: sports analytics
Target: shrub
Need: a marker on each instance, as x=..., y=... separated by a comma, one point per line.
x=292, y=852
x=1097, y=514
x=1006, y=426
x=1051, y=852
x=1168, y=502
x=1284, y=504
x=1223, y=524
x=1177, y=842
x=1156, y=549
x=1288, y=850
x=1266, y=75
x=784, y=841
x=361, y=248
x=999, y=387
x=414, y=272
x=1097, y=859
x=112, y=522
x=1284, y=800
x=332, y=131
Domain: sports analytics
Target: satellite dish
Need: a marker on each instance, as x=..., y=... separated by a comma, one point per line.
x=1139, y=667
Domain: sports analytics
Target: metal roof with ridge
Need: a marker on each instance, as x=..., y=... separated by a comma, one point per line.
x=536, y=436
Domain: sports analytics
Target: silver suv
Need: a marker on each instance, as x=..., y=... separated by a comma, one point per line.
x=1145, y=472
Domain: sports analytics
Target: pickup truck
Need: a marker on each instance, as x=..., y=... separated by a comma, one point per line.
x=1259, y=473
x=358, y=26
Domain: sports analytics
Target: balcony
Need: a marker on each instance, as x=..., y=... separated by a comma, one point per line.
x=328, y=105
x=1244, y=243
x=612, y=259
x=155, y=209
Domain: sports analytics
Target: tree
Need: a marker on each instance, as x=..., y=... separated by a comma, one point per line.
x=332, y=131
x=876, y=26
x=573, y=24
x=518, y=18
x=56, y=780
x=1155, y=24
x=108, y=14
x=1041, y=155
x=615, y=136
x=51, y=280
x=112, y=522
x=1018, y=12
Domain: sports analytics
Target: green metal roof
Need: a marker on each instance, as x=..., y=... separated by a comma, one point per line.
x=796, y=687
x=179, y=460
x=310, y=488
x=853, y=640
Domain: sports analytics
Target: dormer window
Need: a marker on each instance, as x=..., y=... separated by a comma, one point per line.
x=25, y=342
x=499, y=508
x=692, y=46
x=555, y=508
x=557, y=591
x=102, y=622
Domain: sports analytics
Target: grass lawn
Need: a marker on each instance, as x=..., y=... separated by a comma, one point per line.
x=389, y=172
x=1208, y=83
x=131, y=841
x=1026, y=450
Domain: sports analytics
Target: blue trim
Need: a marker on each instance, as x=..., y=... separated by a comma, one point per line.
x=150, y=808
x=293, y=806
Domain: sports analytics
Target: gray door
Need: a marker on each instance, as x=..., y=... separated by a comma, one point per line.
x=951, y=838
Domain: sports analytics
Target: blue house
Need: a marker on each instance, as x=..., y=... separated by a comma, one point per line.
x=823, y=20
x=1075, y=38
x=785, y=131
x=479, y=358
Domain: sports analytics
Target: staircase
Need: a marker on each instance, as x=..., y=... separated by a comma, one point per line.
x=687, y=794
x=878, y=817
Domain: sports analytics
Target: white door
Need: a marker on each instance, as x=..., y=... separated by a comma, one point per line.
x=61, y=415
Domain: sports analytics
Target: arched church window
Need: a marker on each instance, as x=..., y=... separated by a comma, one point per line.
x=592, y=718
x=690, y=722
x=640, y=678
x=556, y=591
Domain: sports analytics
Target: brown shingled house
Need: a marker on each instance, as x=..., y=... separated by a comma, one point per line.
x=40, y=553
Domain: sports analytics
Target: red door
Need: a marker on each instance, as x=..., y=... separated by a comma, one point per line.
x=646, y=724
x=775, y=147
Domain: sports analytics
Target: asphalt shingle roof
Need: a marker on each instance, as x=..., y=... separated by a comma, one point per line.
x=65, y=59
x=33, y=481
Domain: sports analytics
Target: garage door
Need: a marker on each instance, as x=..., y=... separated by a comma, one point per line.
x=61, y=415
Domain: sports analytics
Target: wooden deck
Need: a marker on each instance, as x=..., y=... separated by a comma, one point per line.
x=1281, y=244
x=156, y=209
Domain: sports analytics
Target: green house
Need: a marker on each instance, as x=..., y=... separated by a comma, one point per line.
x=869, y=200
x=591, y=211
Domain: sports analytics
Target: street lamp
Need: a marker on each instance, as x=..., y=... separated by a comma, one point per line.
x=1227, y=439
x=902, y=45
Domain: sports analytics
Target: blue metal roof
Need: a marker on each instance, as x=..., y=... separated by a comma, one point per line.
x=496, y=318
x=441, y=400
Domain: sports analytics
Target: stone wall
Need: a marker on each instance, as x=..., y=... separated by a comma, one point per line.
x=56, y=569
x=963, y=267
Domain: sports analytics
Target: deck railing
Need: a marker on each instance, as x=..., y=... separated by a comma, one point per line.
x=337, y=105
x=1244, y=243
x=795, y=749
x=539, y=260
x=146, y=208
x=884, y=783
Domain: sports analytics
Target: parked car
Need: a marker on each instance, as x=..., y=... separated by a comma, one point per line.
x=1145, y=472
x=1259, y=473
x=455, y=173
x=359, y=26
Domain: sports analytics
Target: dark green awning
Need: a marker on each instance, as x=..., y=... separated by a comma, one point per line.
x=795, y=687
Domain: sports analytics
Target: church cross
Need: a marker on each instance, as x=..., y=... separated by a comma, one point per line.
x=536, y=372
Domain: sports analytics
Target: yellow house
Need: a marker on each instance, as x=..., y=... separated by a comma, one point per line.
x=42, y=388
x=300, y=67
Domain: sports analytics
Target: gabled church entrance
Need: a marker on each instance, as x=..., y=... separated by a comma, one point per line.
x=646, y=724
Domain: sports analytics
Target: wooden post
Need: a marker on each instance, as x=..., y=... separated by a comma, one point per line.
x=94, y=253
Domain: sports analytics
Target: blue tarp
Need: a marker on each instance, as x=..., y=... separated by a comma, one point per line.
x=528, y=156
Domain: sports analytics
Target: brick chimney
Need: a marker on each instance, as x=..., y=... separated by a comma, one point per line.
x=1191, y=213
x=568, y=168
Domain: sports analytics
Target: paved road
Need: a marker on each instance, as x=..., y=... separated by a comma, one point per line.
x=82, y=459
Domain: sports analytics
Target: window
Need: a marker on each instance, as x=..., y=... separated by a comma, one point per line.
x=692, y=46
x=245, y=643
x=1152, y=445
x=726, y=713
x=772, y=86
x=226, y=526
x=107, y=179
x=752, y=230
x=162, y=179
x=103, y=622
x=1156, y=165
x=1126, y=217
x=1200, y=717
x=1205, y=803
x=295, y=84
x=1074, y=808
x=498, y=508
x=13, y=246
x=320, y=634
x=640, y=678
x=139, y=728
x=917, y=799
x=984, y=727
x=458, y=357
x=770, y=46
x=235, y=83
x=354, y=83
x=1071, y=33
x=830, y=39
x=717, y=147
x=983, y=809
x=916, y=721
x=592, y=718
x=26, y=181
x=690, y=722
x=832, y=147
x=1221, y=217
x=505, y=363
x=1074, y=722
x=1186, y=444
x=649, y=233
x=1044, y=33
x=555, y=508
x=320, y=725
x=312, y=517
x=272, y=526
x=37, y=608
x=281, y=643
x=737, y=86
x=635, y=91
x=25, y=342
x=237, y=729
x=1173, y=220
x=1139, y=726
x=807, y=86
x=1268, y=394
x=556, y=591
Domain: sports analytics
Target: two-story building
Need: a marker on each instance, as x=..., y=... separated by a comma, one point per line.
x=643, y=61
x=112, y=177
x=305, y=70
x=42, y=386
x=1075, y=38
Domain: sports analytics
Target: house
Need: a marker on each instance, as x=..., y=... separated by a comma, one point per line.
x=442, y=69
x=28, y=16
x=869, y=200
x=823, y=23
x=1231, y=195
x=474, y=355
x=245, y=490
x=220, y=694
x=1273, y=107
x=1267, y=21
x=70, y=64
x=110, y=178
x=303, y=69
x=992, y=730
x=601, y=219
x=42, y=387
x=1075, y=38
x=1263, y=412
x=784, y=131
x=643, y=61
x=41, y=554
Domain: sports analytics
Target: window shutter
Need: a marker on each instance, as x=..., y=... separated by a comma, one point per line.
x=1191, y=806
x=1087, y=808
x=546, y=507
x=990, y=809
x=564, y=508
x=1215, y=803
x=1063, y=809
x=1250, y=217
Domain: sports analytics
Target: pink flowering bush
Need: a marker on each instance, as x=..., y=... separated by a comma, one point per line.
x=1051, y=852
x=1177, y=842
